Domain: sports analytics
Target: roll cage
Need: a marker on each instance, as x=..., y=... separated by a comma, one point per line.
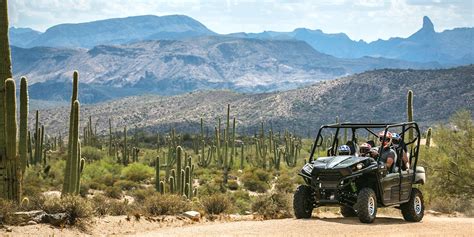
x=369, y=127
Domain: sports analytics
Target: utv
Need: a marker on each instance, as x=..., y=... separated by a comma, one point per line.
x=359, y=185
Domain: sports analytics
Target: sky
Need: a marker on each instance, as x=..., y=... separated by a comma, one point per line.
x=359, y=19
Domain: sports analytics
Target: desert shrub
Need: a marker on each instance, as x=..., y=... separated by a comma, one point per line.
x=84, y=189
x=91, y=153
x=449, y=164
x=7, y=208
x=102, y=172
x=232, y=185
x=126, y=184
x=167, y=204
x=241, y=200
x=113, y=192
x=211, y=188
x=216, y=204
x=285, y=184
x=76, y=207
x=453, y=204
x=100, y=204
x=262, y=175
x=95, y=185
x=273, y=206
x=104, y=206
x=141, y=194
x=138, y=172
x=256, y=180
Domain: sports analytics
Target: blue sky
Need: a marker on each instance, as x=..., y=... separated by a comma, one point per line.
x=360, y=19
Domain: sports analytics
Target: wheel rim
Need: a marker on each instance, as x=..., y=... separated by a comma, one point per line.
x=417, y=204
x=371, y=206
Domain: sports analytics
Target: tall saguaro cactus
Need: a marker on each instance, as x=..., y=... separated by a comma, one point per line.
x=5, y=73
x=74, y=163
x=410, y=113
x=13, y=177
x=23, y=143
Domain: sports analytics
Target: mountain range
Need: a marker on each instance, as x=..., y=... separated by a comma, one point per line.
x=377, y=96
x=450, y=47
x=170, y=67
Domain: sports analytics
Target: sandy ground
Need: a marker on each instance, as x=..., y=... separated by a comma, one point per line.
x=326, y=224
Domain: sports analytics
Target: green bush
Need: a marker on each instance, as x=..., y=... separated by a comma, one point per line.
x=448, y=165
x=126, y=184
x=273, y=206
x=166, y=204
x=256, y=180
x=242, y=201
x=285, y=184
x=138, y=172
x=141, y=194
x=216, y=204
x=91, y=153
x=113, y=192
x=232, y=185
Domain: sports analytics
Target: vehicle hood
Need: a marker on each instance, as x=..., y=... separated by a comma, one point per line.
x=336, y=162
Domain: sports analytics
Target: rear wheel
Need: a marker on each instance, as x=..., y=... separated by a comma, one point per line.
x=303, y=202
x=414, y=209
x=366, y=205
x=348, y=211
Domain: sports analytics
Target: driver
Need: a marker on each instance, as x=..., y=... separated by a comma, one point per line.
x=387, y=155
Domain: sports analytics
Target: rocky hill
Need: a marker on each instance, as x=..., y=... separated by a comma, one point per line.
x=169, y=67
x=450, y=47
x=112, y=31
x=378, y=96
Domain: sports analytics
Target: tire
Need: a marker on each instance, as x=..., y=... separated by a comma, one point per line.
x=348, y=211
x=302, y=202
x=366, y=205
x=414, y=209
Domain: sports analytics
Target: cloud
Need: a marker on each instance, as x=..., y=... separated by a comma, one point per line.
x=360, y=19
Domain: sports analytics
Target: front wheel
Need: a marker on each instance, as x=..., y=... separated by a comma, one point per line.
x=414, y=209
x=302, y=202
x=366, y=205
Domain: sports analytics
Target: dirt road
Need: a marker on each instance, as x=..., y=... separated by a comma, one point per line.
x=326, y=224
x=331, y=226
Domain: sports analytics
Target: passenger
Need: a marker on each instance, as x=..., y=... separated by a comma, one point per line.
x=399, y=144
x=364, y=150
x=344, y=150
x=388, y=154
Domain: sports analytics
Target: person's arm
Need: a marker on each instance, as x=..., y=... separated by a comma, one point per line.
x=389, y=162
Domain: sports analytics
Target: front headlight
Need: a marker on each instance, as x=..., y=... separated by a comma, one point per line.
x=308, y=168
x=359, y=166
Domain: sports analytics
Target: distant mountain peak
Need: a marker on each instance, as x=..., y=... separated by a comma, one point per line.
x=427, y=24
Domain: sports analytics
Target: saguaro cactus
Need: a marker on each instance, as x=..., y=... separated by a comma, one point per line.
x=23, y=143
x=13, y=177
x=5, y=73
x=74, y=164
x=410, y=113
x=72, y=172
x=428, y=138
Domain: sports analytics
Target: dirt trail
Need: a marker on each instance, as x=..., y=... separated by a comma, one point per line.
x=326, y=224
x=332, y=226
